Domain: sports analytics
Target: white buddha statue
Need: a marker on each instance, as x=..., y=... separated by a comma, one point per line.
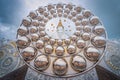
x=60, y=30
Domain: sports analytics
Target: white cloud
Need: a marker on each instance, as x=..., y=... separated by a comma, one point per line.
x=4, y=28
x=34, y=4
x=8, y=31
x=27, y=5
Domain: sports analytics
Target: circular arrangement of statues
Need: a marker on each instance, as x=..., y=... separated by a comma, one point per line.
x=61, y=40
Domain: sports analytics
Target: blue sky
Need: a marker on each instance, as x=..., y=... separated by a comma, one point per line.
x=13, y=11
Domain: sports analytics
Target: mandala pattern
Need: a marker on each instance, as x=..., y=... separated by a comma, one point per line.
x=9, y=59
x=61, y=40
x=112, y=56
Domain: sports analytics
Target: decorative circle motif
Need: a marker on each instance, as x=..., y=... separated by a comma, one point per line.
x=61, y=32
x=9, y=59
x=115, y=58
x=2, y=54
x=112, y=56
x=7, y=62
